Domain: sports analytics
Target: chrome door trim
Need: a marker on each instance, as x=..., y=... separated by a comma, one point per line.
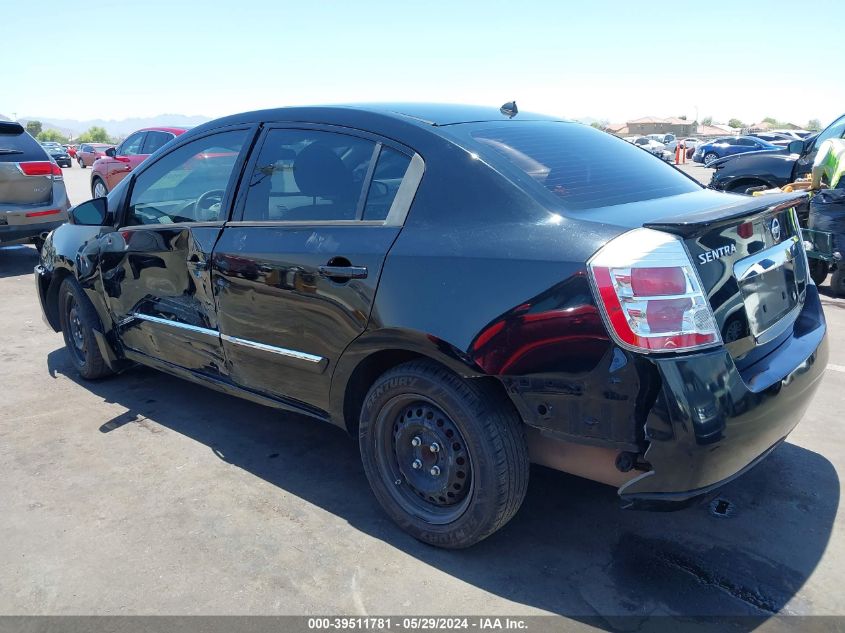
x=292, y=353
x=170, y=322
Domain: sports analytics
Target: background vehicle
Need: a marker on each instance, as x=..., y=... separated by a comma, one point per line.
x=794, y=134
x=57, y=153
x=772, y=169
x=728, y=146
x=33, y=199
x=118, y=162
x=655, y=147
x=664, y=139
x=689, y=143
x=87, y=153
x=775, y=138
x=589, y=302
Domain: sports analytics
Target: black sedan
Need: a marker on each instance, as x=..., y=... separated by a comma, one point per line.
x=57, y=153
x=465, y=290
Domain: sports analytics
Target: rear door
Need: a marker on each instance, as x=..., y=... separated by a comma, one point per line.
x=296, y=274
x=155, y=267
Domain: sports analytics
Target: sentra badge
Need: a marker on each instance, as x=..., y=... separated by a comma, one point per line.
x=718, y=253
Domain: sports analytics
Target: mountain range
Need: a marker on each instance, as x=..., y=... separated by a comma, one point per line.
x=113, y=127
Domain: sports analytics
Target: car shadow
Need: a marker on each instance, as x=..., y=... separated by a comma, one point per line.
x=570, y=550
x=17, y=260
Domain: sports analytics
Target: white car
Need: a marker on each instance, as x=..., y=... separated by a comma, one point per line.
x=689, y=143
x=656, y=148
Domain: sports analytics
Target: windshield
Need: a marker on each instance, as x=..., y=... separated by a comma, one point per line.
x=582, y=167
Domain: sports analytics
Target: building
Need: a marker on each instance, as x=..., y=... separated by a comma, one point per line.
x=653, y=125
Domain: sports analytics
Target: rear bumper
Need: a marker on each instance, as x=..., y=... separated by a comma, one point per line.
x=18, y=232
x=711, y=422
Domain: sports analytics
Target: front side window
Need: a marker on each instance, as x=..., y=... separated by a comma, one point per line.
x=834, y=130
x=189, y=184
x=132, y=145
x=582, y=167
x=308, y=175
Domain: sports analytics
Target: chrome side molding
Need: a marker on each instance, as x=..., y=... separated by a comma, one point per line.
x=292, y=353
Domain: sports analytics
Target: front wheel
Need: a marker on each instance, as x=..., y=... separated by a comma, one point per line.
x=709, y=157
x=78, y=319
x=837, y=281
x=445, y=457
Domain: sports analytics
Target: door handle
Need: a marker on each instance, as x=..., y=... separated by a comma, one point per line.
x=343, y=272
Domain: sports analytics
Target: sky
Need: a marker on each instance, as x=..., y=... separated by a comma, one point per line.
x=611, y=61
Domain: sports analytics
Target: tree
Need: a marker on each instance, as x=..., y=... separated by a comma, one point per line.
x=773, y=121
x=708, y=120
x=33, y=127
x=736, y=123
x=95, y=134
x=814, y=125
x=683, y=117
x=52, y=135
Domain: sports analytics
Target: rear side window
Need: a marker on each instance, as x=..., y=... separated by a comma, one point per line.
x=308, y=175
x=388, y=175
x=155, y=140
x=582, y=167
x=16, y=145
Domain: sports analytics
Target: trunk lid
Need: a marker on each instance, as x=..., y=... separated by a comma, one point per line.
x=17, y=189
x=750, y=258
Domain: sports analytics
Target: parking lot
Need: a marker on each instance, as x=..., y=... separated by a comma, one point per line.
x=145, y=494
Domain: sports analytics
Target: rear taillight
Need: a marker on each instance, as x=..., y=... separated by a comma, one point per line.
x=41, y=168
x=650, y=294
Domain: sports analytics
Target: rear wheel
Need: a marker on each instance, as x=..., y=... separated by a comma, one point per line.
x=445, y=457
x=818, y=270
x=98, y=188
x=78, y=320
x=709, y=157
x=837, y=282
x=81, y=164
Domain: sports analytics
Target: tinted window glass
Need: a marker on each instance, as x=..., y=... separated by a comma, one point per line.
x=188, y=184
x=388, y=175
x=16, y=146
x=132, y=145
x=155, y=140
x=834, y=130
x=583, y=167
x=303, y=175
x=744, y=142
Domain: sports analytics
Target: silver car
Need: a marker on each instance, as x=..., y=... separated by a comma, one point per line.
x=33, y=199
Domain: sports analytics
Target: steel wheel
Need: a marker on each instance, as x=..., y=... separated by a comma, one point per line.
x=76, y=336
x=423, y=459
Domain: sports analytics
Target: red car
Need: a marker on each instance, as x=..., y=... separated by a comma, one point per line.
x=87, y=153
x=117, y=162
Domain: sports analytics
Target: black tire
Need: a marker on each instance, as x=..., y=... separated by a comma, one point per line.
x=481, y=450
x=837, y=282
x=818, y=270
x=78, y=319
x=709, y=157
x=38, y=242
x=81, y=164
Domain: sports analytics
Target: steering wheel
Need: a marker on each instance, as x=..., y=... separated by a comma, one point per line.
x=208, y=204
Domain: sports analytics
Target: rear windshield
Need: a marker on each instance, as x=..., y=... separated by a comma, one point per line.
x=17, y=146
x=583, y=167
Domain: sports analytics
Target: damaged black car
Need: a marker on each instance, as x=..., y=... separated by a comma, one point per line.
x=465, y=290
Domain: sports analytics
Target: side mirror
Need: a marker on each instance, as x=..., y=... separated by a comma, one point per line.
x=796, y=147
x=91, y=213
x=111, y=152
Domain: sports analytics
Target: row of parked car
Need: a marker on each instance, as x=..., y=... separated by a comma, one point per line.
x=702, y=151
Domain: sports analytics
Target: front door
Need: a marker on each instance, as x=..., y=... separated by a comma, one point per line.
x=155, y=268
x=127, y=157
x=296, y=275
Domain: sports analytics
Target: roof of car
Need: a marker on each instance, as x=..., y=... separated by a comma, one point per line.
x=428, y=114
x=172, y=130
